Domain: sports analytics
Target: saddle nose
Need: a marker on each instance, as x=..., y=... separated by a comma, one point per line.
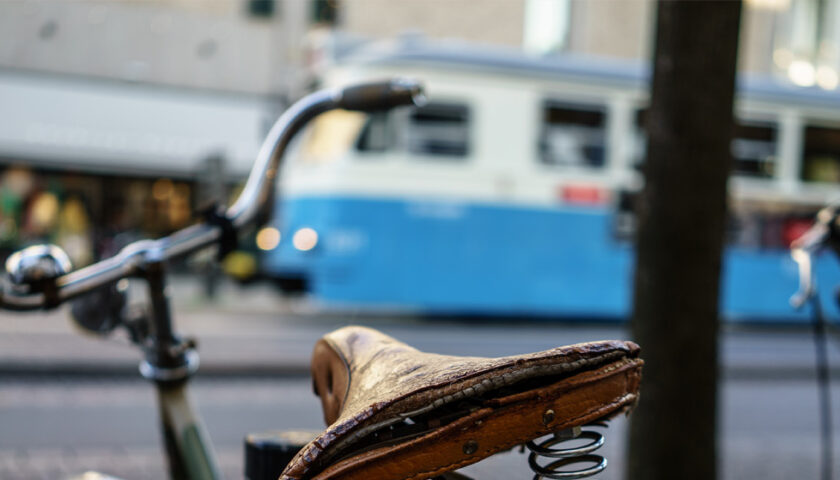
x=330, y=379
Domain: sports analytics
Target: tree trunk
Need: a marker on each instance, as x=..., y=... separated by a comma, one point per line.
x=681, y=222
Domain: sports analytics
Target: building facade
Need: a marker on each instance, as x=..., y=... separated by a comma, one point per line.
x=114, y=112
x=233, y=46
x=797, y=41
x=103, y=101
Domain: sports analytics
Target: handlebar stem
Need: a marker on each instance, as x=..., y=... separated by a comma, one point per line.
x=169, y=359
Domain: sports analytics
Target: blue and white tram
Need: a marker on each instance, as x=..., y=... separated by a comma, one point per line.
x=503, y=194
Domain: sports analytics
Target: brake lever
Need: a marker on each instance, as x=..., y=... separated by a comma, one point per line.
x=803, y=250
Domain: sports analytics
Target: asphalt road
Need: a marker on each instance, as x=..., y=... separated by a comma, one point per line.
x=56, y=426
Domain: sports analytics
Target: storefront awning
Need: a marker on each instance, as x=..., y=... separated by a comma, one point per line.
x=122, y=128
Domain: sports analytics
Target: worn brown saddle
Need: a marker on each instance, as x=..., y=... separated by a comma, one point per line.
x=397, y=413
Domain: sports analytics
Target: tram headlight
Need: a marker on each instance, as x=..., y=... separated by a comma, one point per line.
x=268, y=238
x=305, y=239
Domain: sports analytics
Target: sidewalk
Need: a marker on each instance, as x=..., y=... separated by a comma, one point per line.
x=254, y=331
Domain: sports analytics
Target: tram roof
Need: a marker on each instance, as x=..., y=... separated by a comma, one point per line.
x=416, y=50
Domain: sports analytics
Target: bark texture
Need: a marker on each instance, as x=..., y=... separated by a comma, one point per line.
x=681, y=222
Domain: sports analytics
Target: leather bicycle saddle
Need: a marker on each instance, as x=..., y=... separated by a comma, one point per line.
x=397, y=413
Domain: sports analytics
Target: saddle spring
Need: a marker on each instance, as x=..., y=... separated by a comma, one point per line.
x=567, y=449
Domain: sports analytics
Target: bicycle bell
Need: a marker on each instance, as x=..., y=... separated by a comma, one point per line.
x=36, y=265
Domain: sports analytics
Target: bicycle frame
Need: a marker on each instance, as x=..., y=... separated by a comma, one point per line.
x=187, y=444
x=39, y=278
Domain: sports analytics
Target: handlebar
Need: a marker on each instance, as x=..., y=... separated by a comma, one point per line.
x=824, y=232
x=251, y=203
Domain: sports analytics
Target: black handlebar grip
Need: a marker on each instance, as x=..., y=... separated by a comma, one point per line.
x=378, y=96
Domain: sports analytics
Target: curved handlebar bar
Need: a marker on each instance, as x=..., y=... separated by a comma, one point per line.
x=251, y=202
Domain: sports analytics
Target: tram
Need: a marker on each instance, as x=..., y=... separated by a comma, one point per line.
x=510, y=192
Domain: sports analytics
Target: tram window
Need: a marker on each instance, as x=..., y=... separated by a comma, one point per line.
x=821, y=155
x=439, y=129
x=572, y=135
x=374, y=136
x=638, y=145
x=753, y=146
x=641, y=118
x=754, y=149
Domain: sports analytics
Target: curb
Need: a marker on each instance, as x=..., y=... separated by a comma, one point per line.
x=30, y=370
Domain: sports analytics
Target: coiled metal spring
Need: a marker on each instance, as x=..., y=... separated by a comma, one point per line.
x=572, y=460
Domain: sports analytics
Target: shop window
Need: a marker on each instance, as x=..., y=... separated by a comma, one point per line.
x=754, y=149
x=821, y=155
x=572, y=135
x=439, y=129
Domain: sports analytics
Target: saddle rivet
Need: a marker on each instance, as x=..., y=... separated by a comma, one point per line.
x=470, y=447
x=548, y=416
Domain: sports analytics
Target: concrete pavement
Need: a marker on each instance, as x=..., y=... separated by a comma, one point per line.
x=253, y=330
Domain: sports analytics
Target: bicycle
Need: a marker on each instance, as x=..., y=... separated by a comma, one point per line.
x=825, y=233
x=416, y=415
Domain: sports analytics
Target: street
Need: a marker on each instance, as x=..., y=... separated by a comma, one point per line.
x=71, y=403
x=55, y=426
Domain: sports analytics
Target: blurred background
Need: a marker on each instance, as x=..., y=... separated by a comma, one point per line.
x=497, y=219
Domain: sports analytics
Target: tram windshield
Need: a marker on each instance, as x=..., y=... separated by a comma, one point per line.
x=435, y=130
x=331, y=135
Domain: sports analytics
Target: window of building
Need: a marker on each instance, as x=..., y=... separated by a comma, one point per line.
x=325, y=11
x=754, y=149
x=572, y=135
x=804, y=38
x=439, y=129
x=546, y=25
x=821, y=154
x=261, y=8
